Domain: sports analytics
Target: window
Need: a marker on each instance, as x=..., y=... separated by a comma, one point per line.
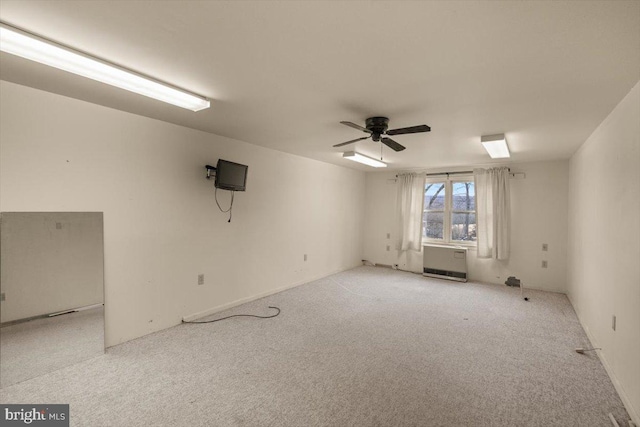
x=449, y=211
x=434, y=210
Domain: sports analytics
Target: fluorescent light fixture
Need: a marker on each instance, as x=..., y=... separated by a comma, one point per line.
x=29, y=46
x=496, y=146
x=357, y=157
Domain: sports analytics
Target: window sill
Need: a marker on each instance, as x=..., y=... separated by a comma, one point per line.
x=471, y=245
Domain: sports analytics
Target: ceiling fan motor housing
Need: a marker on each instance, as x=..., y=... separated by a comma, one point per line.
x=378, y=126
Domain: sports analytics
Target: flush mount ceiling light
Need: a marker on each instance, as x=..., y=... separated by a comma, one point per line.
x=357, y=157
x=38, y=49
x=496, y=146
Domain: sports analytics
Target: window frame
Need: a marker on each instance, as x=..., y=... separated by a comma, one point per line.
x=448, y=210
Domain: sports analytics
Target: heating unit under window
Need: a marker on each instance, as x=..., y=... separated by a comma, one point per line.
x=445, y=262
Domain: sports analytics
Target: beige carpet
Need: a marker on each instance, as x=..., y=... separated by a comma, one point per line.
x=366, y=347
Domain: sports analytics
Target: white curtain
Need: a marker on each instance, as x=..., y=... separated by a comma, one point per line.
x=410, y=206
x=493, y=212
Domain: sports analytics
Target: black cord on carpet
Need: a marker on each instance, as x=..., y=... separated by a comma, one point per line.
x=239, y=315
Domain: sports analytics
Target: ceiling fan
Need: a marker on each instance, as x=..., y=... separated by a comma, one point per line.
x=377, y=126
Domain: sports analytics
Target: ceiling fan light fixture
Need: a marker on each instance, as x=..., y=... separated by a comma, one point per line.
x=496, y=146
x=360, y=158
x=38, y=49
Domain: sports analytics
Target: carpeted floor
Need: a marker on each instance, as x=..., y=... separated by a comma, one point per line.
x=367, y=347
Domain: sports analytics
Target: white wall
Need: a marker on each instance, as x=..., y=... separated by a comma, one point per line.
x=161, y=225
x=538, y=213
x=604, y=243
x=50, y=262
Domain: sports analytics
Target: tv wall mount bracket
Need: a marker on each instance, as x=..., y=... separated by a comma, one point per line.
x=209, y=169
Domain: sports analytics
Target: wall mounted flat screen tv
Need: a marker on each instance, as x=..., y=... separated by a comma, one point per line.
x=231, y=176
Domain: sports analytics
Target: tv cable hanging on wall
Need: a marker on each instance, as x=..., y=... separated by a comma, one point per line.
x=215, y=196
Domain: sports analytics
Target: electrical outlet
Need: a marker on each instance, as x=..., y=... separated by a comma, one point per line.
x=200, y=279
x=544, y=264
x=545, y=247
x=613, y=322
x=58, y=226
x=305, y=257
x=388, y=235
x=388, y=248
x=2, y=297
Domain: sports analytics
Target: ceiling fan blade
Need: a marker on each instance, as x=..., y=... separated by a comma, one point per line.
x=412, y=129
x=392, y=144
x=355, y=126
x=352, y=141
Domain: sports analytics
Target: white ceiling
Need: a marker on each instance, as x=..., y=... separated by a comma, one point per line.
x=284, y=74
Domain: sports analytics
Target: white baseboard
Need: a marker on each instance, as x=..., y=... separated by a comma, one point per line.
x=631, y=410
x=245, y=300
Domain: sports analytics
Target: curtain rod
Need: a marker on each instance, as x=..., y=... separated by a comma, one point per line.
x=451, y=173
